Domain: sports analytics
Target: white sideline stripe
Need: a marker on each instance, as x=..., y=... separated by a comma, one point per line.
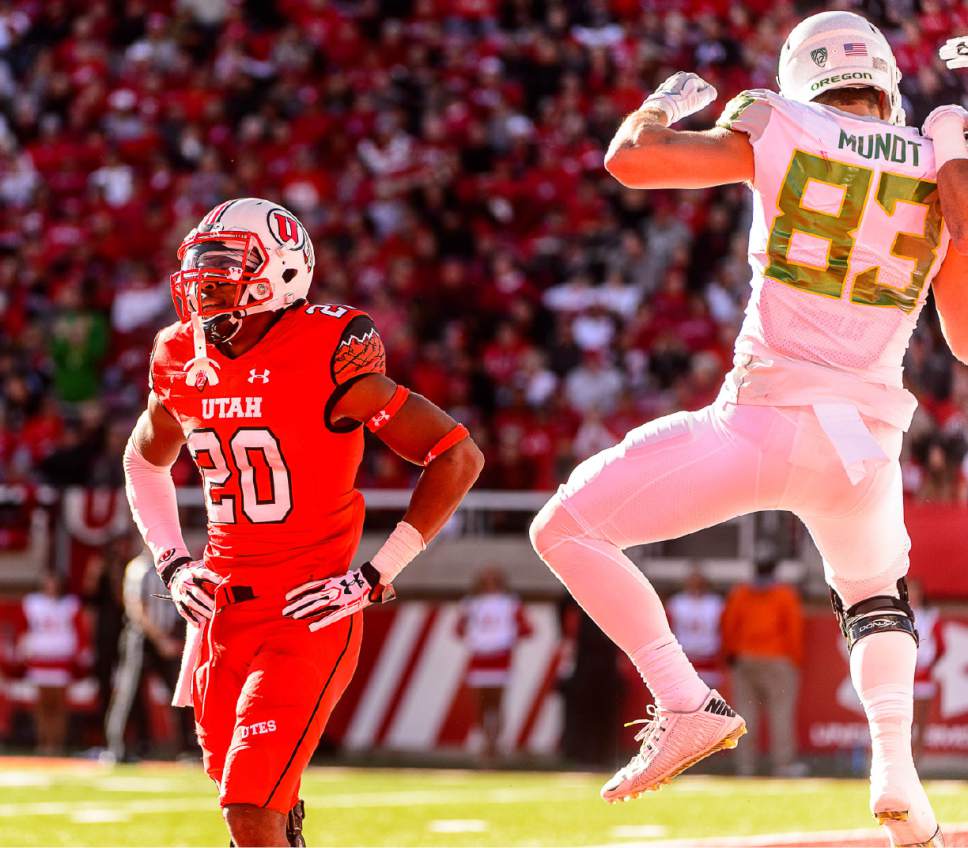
x=418, y=798
x=120, y=783
x=391, y=663
x=546, y=733
x=636, y=831
x=458, y=826
x=430, y=692
x=23, y=779
x=535, y=652
x=98, y=815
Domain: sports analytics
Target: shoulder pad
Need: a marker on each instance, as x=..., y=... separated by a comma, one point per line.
x=750, y=111
x=359, y=350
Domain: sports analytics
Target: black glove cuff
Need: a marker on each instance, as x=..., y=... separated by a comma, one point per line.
x=169, y=569
x=379, y=592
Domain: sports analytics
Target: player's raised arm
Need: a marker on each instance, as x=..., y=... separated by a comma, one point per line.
x=945, y=126
x=950, y=298
x=154, y=445
x=645, y=153
x=424, y=434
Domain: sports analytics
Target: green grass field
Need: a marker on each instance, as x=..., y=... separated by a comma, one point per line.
x=76, y=803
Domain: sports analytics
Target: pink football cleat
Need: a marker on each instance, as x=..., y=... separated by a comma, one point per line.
x=672, y=742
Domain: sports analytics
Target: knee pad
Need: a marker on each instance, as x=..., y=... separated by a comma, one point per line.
x=877, y=614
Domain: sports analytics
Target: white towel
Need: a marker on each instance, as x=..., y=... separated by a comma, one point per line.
x=193, y=648
x=858, y=450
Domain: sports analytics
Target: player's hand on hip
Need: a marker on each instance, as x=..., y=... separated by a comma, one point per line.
x=192, y=589
x=954, y=52
x=682, y=94
x=323, y=602
x=942, y=115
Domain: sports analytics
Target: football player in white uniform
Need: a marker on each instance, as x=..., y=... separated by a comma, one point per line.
x=847, y=236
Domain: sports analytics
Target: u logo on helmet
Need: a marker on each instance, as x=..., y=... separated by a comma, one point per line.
x=285, y=229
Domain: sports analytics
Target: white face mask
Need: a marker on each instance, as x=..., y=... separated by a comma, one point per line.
x=220, y=262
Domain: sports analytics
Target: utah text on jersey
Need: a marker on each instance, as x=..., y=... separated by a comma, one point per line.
x=232, y=407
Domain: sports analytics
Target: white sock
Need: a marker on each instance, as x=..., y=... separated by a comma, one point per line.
x=882, y=670
x=669, y=675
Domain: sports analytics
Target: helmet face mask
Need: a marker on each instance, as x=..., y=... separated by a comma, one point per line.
x=246, y=256
x=834, y=50
x=215, y=261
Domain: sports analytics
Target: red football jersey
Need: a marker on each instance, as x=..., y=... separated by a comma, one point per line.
x=278, y=474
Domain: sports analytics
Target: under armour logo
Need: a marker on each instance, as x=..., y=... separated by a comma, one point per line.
x=379, y=419
x=255, y=375
x=355, y=581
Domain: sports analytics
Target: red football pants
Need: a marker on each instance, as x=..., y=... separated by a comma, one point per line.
x=264, y=689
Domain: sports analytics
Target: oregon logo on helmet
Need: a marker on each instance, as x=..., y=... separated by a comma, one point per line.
x=819, y=56
x=285, y=229
x=856, y=75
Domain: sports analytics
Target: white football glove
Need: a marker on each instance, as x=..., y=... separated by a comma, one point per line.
x=954, y=52
x=192, y=588
x=324, y=602
x=682, y=94
x=943, y=115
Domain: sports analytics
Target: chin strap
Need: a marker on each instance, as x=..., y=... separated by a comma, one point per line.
x=202, y=369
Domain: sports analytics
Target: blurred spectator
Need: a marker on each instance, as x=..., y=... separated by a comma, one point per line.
x=595, y=385
x=694, y=614
x=151, y=642
x=941, y=479
x=78, y=343
x=491, y=622
x=52, y=647
x=763, y=643
x=930, y=648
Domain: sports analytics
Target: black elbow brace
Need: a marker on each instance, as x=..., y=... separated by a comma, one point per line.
x=875, y=615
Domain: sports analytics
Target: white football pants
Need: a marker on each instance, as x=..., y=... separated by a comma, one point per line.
x=691, y=470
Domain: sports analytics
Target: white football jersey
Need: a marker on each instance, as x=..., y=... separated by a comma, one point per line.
x=847, y=235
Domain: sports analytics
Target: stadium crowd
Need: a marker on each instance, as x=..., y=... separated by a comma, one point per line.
x=446, y=155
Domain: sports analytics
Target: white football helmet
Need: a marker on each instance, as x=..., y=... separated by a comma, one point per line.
x=834, y=50
x=257, y=246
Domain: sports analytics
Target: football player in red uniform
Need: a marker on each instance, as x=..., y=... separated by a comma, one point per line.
x=270, y=394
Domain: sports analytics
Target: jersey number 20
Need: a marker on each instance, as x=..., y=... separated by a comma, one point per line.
x=249, y=448
x=838, y=231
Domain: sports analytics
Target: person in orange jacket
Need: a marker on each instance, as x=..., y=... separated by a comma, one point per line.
x=762, y=627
